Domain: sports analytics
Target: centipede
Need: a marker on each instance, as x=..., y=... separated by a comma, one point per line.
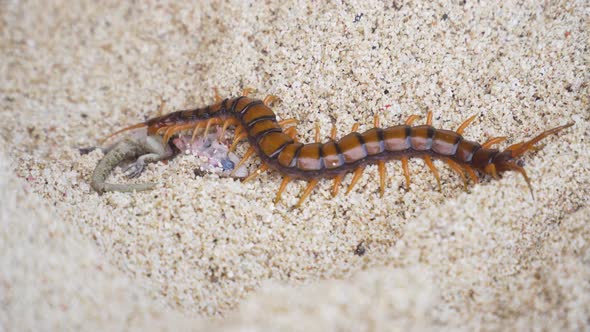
x=276, y=144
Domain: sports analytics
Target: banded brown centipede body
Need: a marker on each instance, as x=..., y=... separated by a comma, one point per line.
x=279, y=149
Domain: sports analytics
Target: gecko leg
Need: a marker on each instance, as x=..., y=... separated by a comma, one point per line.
x=146, y=150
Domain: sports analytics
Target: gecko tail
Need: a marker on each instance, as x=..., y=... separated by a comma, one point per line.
x=126, y=187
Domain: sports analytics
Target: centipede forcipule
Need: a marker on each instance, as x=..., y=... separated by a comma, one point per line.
x=279, y=149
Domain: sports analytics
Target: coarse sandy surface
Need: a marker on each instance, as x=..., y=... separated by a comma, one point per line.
x=211, y=253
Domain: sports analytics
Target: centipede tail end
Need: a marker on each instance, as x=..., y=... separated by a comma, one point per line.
x=521, y=148
x=505, y=160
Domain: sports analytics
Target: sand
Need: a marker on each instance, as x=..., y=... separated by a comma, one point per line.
x=213, y=253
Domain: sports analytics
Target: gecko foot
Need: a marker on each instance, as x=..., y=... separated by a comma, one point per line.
x=134, y=169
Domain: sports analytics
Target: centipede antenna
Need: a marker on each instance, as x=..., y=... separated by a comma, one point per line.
x=135, y=126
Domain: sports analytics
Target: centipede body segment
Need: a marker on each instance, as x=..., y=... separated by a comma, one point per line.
x=276, y=144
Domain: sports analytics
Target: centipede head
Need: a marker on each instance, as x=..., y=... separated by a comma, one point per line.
x=507, y=159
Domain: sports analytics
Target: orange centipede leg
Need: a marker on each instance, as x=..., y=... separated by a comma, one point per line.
x=333, y=132
x=355, y=178
x=491, y=169
x=228, y=122
x=336, y=185
x=208, y=126
x=411, y=119
x=247, y=156
x=457, y=168
x=195, y=131
x=169, y=132
x=433, y=169
x=257, y=172
x=465, y=124
x=174, y=129
x=355, y=127
x=216, y=95
x=406, y=171
x=282, y=187
x=525, y=176
x=161, y=107
x=239, y=131
x=317, y=132
x=247, y=90
x=286, y=122
x=307, y=191
x=161, y=130
x=237, y=140
x=429, y=119
x=382, y=176
x=376, y=121
x=270, y=99
x=493, y=141
x=291, y=132
x=471, y=174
